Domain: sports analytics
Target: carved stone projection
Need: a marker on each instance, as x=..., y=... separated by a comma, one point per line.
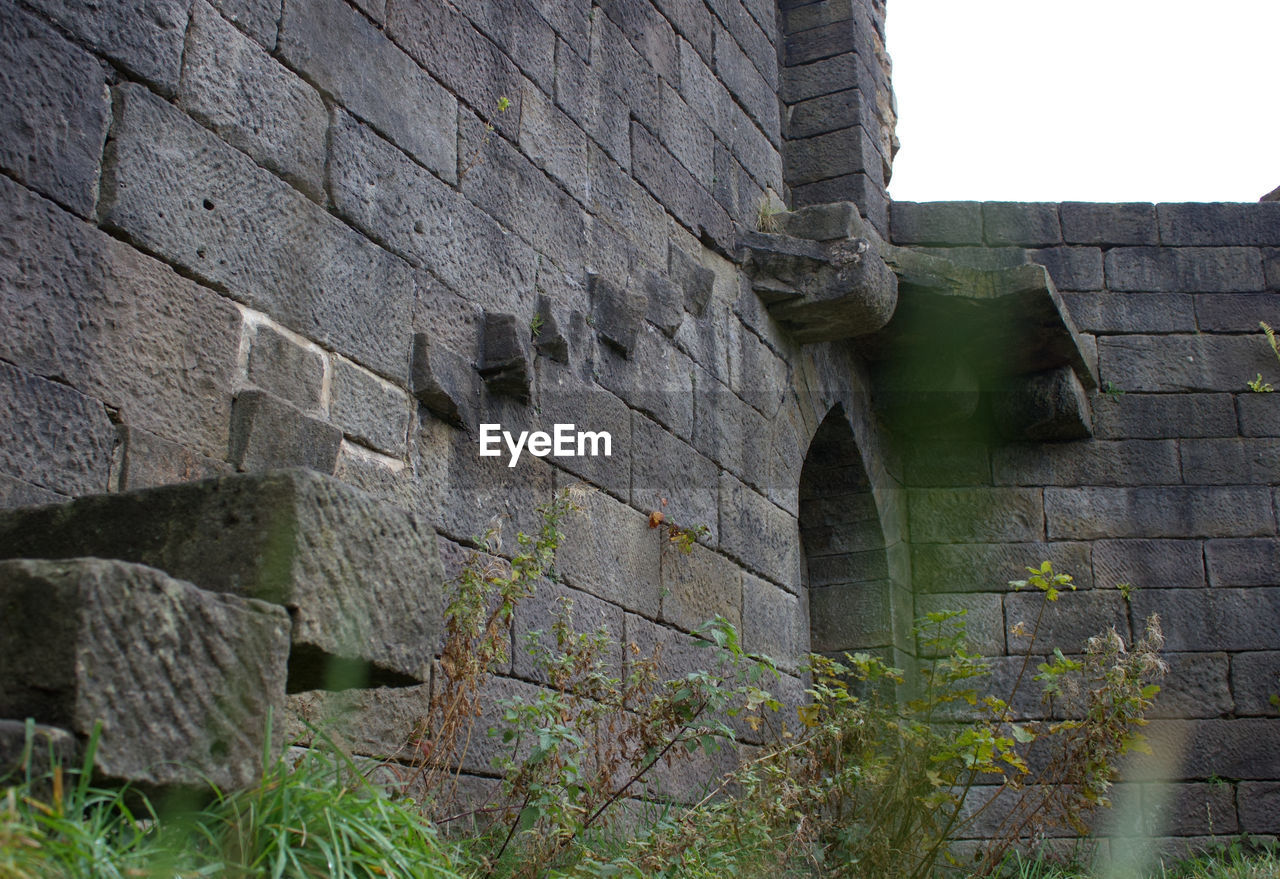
x=949, y=343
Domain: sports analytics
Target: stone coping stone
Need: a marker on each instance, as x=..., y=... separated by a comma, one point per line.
x=361, y=578
x=182, y=681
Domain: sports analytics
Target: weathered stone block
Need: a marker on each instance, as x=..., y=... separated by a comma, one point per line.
x=147, y=460
x=1184, y=269
x=507, y=359
x=1049, y=405
x=176, y=189
x=233, y=86
x=535, y=615
x=508, y=187
x=851, y=617
x=1213, y=619
x=983, y=619
x=762, y=535
x=564, y=399
x=1189, y=809
x=48, y=746
x=1247, y=749
x=945, y=462
x=469, y=65
x=774, y=623
x=697, y=281
x=1088, y=223
x=52, y=436
x=1259, y=806
x=611, y=552
x=1182, y=363
x=282, y=366
x=1255, y=679
x=959, y=515
x=1243, y=562
x=16, y=492
x=380, y=722
x=114, y=323
x=1149, y=564
x=617, y=313
x=1126, y=462
x=1156, y=416
x=742, y=78
x=986, y=567
x=260, y=19
x=1072, y=268
x=522, y=32
x=669, y=476
x=53, y=123
x=1172, y=511
x=1068, y=622
x=944, y=223
x=347, y=57
x=181, y=679
x=1259, y=415
x=1231, y=461
x=1025, y=224
x=390, y=198
x=554, y=142
x=1133, y=313
x=698, y=586
x=1236, y=312
x=836, y=154
x=146, y=42
x=368, y=409
x=687, y=135
x=445, y=382
x=1196, y=685
x=659, y=172
x=1220, y=224
x=267, y=432
x=361, y=577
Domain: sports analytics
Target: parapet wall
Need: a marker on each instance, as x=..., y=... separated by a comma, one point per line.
x=343, y=235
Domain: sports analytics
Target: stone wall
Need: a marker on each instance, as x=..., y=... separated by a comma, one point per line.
x=1175, y=494
x=244, y=234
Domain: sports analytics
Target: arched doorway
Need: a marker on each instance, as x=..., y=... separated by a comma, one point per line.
x=846, y=566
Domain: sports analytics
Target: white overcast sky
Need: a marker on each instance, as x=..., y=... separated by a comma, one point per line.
x=1086, y=100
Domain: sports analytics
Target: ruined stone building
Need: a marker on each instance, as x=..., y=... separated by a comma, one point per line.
x=341, y=235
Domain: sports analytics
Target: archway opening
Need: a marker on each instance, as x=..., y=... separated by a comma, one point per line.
x=845, y=563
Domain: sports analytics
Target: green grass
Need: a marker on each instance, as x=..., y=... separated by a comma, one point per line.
x=1237, y=859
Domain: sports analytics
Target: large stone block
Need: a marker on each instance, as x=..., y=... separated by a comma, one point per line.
x=113, y=323
x=1066, y=623
x=774, y=623
x=983, y=619
x=286, y=368
x=554, y=143
x=670, y=476
x=1247, y=749
x=267, y=432
x=146, y=40
x=836, y=154
x=1155, y=416
x=1133, y=313
x=610, y=551
x=960, y=515
x=370, y=410
x=1196, y=685
x=762, y=535
x=1183, y=363
x=1243, y=562
x=1025, y=224
x=944, y=223
x=1149, y=564
x=52, y=436
x=146, y=460
x=650, y=34
x=16, y=492
x=470, y=66
x=668, y=181
x=392, y=199
x=1223, y=223
x=698, y=586
x=1101, y=462
x=1088, y=223
x=349, y=58
x=1259, y=415
x=1231, y=461
x=53, y=122
x=534, y=618
x=523, y=32
x=1255, y=679
x=756, y=95
x=182, y=680
x=253, y=102
x=176, y=189
x=987, y=567
x=1259, y=806
x=1072, y=268
x=1172, y=511
x=851, y=617
x=1213, y=619
x=1236, y=312
x=361, y=578
x=1184, y=269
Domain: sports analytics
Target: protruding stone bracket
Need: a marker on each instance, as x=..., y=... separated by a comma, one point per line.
x=507, y=361
x=1005, y=328
x=444, y=382
x=941, y=335
x=817, y=277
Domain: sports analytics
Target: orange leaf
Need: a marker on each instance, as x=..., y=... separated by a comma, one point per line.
x=655, y=519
